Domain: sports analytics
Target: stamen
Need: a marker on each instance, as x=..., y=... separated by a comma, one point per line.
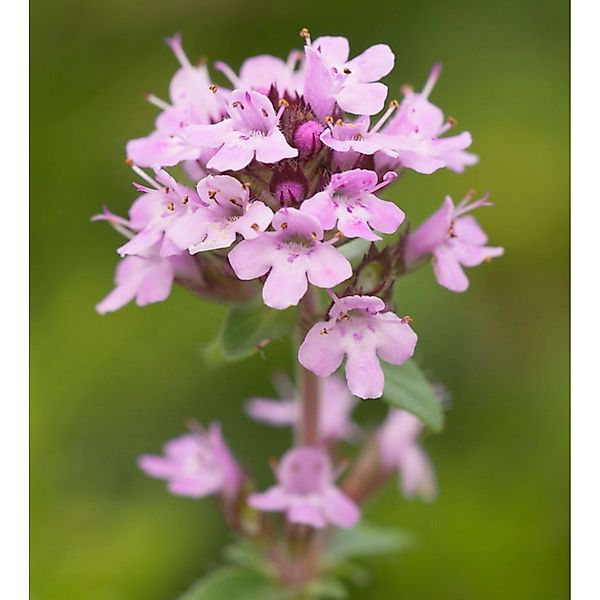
x=228, y=72
x=146, y=177
x=324, y=331
x=449, y=124
x=406, y=320
x=333, y=295
x=170, y=207
x=255, y=226
x=212, y=194
x=464, y=206
x=213, y=88
x=158, y=102
x=431, y=80
x=283, y=104
x=305, y=33
x=394, y=104
x=386, y=180
x=185, y=200
x=347, y=71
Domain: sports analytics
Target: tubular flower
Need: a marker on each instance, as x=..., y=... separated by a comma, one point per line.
x=349, y=201
x=358, y=329
x=335, y=405
x=196, y=465
x=291, y=254
x=306, y=493
x=397, y=440
x=454, y=241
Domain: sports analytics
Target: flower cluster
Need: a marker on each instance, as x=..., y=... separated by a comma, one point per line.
x=278, y=175
x=287, y=166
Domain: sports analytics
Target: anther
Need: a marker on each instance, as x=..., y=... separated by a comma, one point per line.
x=305, y=33
x=255, y=226
x=283, y=102
x=284, y=226
x=394, y=103
x=129, y=162
x=407, y=89
x=170, y=207
x=185, y=200
x=347, y=71
x=329, y=120
x=313, y=235
x=339, y=122
x=201, y=61
x=324, y=331
x=452, y=121
x=264, y=112
x=406, y=320
x=212, y=194
x=344, y=318
x=213, y=88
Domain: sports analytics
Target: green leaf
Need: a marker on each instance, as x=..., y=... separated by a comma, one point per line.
x=326, y=588
x=232, y=583
x=408, y=389
x=251, y=326
x=366, y=540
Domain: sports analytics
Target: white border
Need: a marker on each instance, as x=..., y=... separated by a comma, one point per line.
x=14, y=300
x=585, y=302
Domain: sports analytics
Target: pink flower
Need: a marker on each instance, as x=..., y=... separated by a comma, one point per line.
x=358, y=329
x=147, y=278
x=349, y=201
x=192, y=103
x=454, y=241
x=415, y=132
x=252, y=131
x=306, y=493
x=259, y=73
x=162, y=215
x=398, y=444
x=196, y=465
x=335, y=405
x=290, y=254
x=226, y=211
x=330, y=78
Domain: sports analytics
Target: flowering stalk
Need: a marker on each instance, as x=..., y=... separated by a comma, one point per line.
x=287, y=172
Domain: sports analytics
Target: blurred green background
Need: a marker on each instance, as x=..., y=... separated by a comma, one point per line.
x=105, y=389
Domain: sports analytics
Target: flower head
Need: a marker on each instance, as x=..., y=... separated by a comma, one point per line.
x=454, y=241
x=335, y=405
x=397, y=441
x=291, y=254
x=306, y=493
x=358, y=329
x=196, y=464
x=349, y=201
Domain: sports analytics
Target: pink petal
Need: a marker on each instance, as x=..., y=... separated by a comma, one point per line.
x=447, y=269
x=328, y=267
x=273, y=412
x=334, y=49
x=320, y=207
x=396, y=341
x=384, y=216
x=321, y=352
x=274, y=498
x=340, y=509
x=252, y=258
x=156, y=285
x=285, y=285
x=373, y=64
x=306, y=512
x=232, y=157
x=274, y=148
x=362, y=98
x=318, y=84
x=363, y=371
x=156, y=466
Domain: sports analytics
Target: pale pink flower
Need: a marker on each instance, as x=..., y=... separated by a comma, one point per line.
x=335, y=406
x=358, y=329
x=397, y=440
x=414, y=136
x=192, y=102
x=147, y=278
x=260, y=73
x=226, y=211
x=291, y=254
x=330, y=78
x=453, y=241
x=349, y=201
x=251, y=131
x=305, y=491
x=196, y=464
x=162, y=215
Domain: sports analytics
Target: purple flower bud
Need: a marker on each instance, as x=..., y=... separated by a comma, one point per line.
x=307, y=138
